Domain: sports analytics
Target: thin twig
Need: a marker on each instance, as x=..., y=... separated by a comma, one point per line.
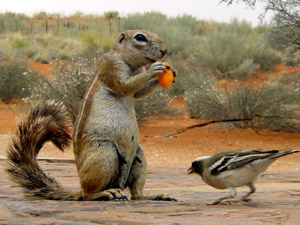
x=206, y=124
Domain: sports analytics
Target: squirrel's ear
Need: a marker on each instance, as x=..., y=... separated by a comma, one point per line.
x=119, y=40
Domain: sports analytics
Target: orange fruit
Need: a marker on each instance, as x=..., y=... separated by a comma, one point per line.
x=166, y=78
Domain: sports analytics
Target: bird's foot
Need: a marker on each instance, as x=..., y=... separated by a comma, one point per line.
x=218, y=202
x=246, y=199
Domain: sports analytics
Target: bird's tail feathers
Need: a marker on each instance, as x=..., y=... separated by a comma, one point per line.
x=280, y=154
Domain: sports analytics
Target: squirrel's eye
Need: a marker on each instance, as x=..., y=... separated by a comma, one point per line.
x=140, y=37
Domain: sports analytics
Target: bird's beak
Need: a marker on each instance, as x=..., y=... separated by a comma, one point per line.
x=190, y=170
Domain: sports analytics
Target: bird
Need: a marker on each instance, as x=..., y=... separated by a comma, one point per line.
x=231, y=169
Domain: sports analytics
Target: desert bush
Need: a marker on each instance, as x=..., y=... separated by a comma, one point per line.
x=50, y=47
x=235, y=50
x=98, y=40
x=14, y=81
x=155, y=105
x=5, y=49
x=262, y=52
x=291, y=57
x=271, y=106
x=224, y=50
x=18, y=43
x=144, y=21
x=66, y=84
x=203, y=99
x=43, y=48
x=266, y=57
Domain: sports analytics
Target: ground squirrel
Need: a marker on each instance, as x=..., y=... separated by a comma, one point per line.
x=105, y=137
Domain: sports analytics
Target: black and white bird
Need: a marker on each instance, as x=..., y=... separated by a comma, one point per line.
x=231, y=169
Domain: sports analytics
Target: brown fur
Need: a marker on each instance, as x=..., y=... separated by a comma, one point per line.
x=105, y=139
x=44, y=123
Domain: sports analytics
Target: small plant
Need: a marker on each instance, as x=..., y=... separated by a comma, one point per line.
x=14, y=81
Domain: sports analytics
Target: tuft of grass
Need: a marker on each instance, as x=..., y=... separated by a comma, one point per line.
x=14, y=81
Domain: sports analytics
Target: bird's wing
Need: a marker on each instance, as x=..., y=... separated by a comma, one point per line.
x=234, y=160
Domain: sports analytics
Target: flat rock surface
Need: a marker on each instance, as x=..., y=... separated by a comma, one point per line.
x=277, y=201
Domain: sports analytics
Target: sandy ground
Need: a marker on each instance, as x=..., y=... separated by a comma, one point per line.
x=277, y=200
x=178, y=150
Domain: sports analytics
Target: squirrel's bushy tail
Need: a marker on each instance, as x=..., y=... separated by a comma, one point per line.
x=44, y=123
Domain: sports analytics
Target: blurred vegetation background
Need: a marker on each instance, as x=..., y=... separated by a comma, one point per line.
x=224, y=70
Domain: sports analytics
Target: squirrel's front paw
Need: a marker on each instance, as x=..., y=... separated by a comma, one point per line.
x=157, y=68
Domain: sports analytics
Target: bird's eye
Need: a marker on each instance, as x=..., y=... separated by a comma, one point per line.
x=140, y=37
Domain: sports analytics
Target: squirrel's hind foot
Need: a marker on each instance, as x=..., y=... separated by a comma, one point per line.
x=110, y=195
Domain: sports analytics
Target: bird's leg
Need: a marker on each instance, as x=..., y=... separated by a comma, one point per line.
x=233, y=193
x=252, y=190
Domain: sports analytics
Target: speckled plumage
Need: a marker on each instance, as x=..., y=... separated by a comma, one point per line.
x=231, y=169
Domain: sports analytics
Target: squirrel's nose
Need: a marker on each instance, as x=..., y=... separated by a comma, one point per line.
x=163, y=52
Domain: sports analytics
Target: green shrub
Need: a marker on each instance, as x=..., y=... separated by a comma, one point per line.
x=271, y=106
x=225, y=52
x=43, y=41
x=203, y=99
x=262, y=53
x=235, y=50
x=90, y=37
x=14, y=81
x=291, y=57
x=157, y=104
x=266, y=58
x=67, y=84
x=49, y=47
x=43, y=48
x=19, y=44
x=98, y=40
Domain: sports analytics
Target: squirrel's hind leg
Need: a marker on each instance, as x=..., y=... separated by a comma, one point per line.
x=137, y=179
x=99, y=172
